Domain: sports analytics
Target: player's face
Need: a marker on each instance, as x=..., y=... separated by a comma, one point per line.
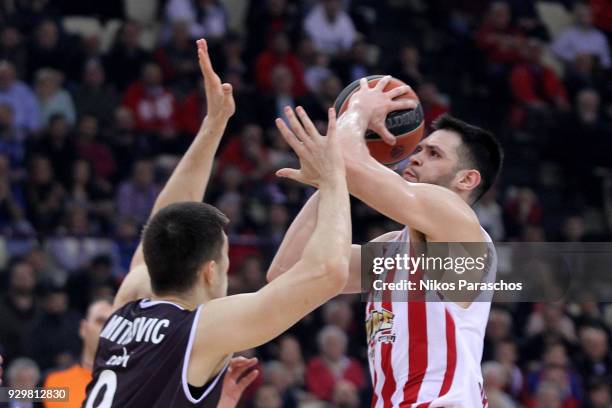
x=434, y=160
x=92, y=325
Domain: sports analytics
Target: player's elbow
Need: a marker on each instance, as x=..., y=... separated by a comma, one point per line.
x=336, y=273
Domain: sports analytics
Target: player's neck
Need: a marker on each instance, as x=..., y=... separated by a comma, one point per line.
x=185, y=301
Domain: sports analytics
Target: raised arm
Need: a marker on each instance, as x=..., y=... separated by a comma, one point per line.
x=189, y=180
x=321, y=272
x=296, y=238
x=424, y=207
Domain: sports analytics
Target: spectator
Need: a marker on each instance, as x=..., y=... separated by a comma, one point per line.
x=599, y=394
x=180, y=69
x=433, y=102
x=205, y=18
x=57, y=145
x=317, y=72
x=23, y=374
x=500, y=41
x=127, y=239
x=538, y=93
x=52, y=99
x=93, y=280
x=45, y=195
x=594, y=360
x=582, y=38
x=53, y=339
x=276, y=375
x=77, y=376
x=95, y=96
x=506, y=354
x=89, y=147
x=290, y=356
x=358, y=63
x=135, y=197
x=20, y=97
x=18, y=308
x=495, y=381
x=11, y=138
x=346, y=395
x=126, y=58
x=12, y=47
x=330, y=27
x=332, y=365
x=407, y=66
x=268, y=396
x=49, y=50
x=489, y=214
x=152, y=104
x=498, y=329
x=549, y=396
x=266, y=18
x=279, y=54
x=247, y=153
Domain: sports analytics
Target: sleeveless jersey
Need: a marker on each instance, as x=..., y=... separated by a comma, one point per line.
x=142, y=359
x=427, y=353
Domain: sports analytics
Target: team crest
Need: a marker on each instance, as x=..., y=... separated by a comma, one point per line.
x=379, y=327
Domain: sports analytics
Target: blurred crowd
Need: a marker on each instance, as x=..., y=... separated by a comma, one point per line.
x=91, y=126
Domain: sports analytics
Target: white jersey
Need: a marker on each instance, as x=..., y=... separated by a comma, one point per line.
x=427, y=353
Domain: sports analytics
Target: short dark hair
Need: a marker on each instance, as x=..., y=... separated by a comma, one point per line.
x=481, y=150
x=178, y=240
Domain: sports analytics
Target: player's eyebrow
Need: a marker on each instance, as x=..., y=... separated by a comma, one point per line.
x=432, y=147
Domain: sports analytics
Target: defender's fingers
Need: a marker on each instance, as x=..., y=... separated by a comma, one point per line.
x=290, y=137
x=308, y=125
x=382, y=83
x=208, y=72
x=297, y=127
x=292, y=174
x=331, y=123
x=247, y=380
x=399, y=91
x=227, y=88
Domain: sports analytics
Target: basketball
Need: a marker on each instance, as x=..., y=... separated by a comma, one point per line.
x=406, y=125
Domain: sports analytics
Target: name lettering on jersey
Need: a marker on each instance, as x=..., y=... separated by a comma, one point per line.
x=380, y=323
x=143, y=329
x=119, y=360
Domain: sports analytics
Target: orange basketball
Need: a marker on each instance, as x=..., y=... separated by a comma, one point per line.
x=406, y=125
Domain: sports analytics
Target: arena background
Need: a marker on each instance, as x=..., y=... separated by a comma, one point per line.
x=99, y=99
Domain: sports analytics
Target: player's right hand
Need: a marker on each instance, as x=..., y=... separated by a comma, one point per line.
x=219, y=98
x=374, y=104
x=320, y=156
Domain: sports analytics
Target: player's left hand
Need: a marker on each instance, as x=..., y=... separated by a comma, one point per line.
x=374, y=104
x=235, y=381
x=219, y=96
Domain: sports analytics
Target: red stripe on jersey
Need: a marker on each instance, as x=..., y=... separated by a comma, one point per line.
x=417, y=341
x=374, y=396
x=451, y=354
x=375, y=380
x=417, y=350
x=386, y=350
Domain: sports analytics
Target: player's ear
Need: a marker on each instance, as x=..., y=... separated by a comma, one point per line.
x=82, y=328
x=468, y=180
x=208, y=273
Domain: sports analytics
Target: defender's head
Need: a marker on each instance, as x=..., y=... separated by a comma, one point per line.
x=458, y=156
x=185, y=249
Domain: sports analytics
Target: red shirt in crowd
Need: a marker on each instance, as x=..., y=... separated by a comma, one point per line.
x=153, y=110
x=321, y=381
x=265, y=65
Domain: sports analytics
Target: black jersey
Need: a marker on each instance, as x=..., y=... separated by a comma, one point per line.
x=142, y=359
